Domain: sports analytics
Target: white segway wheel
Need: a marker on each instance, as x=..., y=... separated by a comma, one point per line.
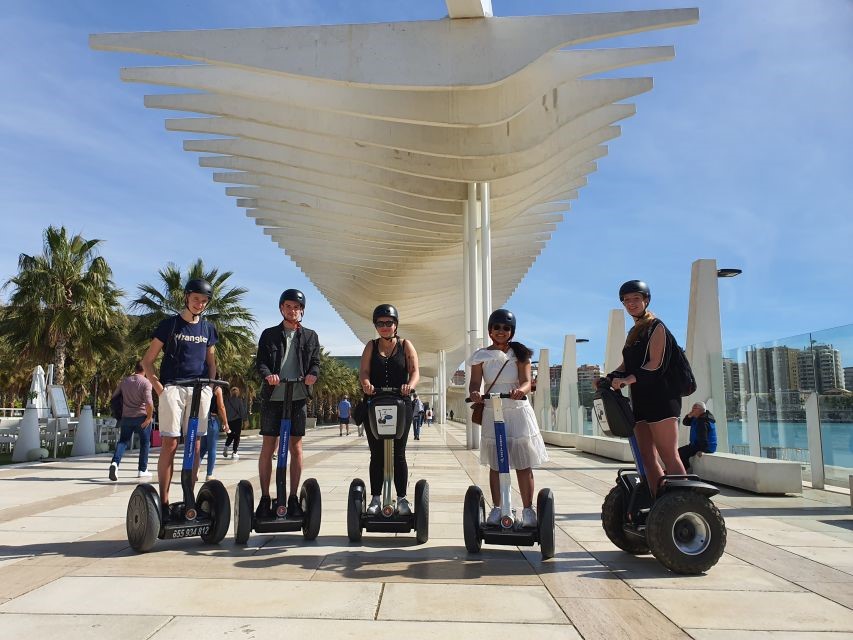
x=473, y=516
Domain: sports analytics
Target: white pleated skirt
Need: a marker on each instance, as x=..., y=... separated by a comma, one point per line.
x=526, y=447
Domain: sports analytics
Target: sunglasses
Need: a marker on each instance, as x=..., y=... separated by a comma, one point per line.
x=501, y=327
x=379, y=324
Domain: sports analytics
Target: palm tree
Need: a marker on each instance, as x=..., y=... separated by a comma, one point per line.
x=64, y=303
x=232, y=320
x=335, y=381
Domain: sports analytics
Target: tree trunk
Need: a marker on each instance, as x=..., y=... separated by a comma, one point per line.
x=59, y=359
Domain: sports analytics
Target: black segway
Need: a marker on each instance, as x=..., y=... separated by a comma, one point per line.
x=507, y=531
x=310, y=500
x=207, y=515
x=681, y=526
x=386, y=415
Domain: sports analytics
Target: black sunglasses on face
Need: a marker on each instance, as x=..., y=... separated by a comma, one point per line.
x=384, y=323
x=501, y=327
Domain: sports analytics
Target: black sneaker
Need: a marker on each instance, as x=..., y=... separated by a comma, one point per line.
x=176, y=512
x=165, y=512
x=264, y=509
x=294, y=509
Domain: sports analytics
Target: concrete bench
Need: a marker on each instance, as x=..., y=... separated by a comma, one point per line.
x=759, y=475
x=560, y=438
x=613, y=448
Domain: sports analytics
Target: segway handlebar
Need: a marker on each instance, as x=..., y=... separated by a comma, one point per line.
x=191, y=382
x=387, y=391
x=505, y=396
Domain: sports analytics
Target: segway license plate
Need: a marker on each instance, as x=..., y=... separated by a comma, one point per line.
x=175, y=532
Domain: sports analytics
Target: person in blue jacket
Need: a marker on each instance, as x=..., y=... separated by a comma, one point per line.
x=703, y=434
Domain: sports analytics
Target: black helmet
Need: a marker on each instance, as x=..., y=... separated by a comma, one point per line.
x=387, y=310
x=198, y=285
x=635, y=286
x=503, y=316
x=294, y=295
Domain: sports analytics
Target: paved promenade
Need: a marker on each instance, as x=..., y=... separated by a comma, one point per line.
x=67, y=571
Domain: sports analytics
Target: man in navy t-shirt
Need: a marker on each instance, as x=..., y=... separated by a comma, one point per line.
x=187, y=343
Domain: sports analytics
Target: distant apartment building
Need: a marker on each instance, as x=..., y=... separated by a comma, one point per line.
x=458, y=377
x=782, y=369
x=848, y=378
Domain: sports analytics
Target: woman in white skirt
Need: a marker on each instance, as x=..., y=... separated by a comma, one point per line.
x=505, y=365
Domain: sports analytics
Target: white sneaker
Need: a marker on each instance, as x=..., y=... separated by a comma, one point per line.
x=113, y=471
x=235, y=456
x=528, y=518
x=143, y=474
x=403, y=507
x=374, y=506
x=209, y=477
x=494, y=518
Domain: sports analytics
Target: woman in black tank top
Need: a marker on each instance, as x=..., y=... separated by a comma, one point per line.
x=389, y=361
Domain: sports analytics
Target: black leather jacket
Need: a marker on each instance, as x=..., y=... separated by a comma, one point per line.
x=271, y=348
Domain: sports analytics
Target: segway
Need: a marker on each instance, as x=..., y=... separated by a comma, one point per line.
x=245, y=520
x=681, y=526
x=207, y=515
x=386, y=415
x=507, y=531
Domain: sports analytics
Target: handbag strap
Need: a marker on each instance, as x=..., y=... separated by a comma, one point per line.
x=500, y=371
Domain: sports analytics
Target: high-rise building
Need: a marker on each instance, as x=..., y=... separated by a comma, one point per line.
x=848, y=378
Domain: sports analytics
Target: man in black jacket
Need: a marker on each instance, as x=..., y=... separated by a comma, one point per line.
x=285, y=351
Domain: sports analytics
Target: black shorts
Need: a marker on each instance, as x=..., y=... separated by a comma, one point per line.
x=271, y=412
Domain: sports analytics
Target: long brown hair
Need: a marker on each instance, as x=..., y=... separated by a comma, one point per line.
x=639, y=326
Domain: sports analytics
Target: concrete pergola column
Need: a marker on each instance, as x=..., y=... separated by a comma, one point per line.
x=568, y=402
x=705, y=345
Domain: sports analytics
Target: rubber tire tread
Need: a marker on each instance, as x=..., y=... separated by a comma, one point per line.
x=473, y=514
x=545, y=522
x=244, y=508
x=355, y=508
x=422, y=511
x=213, y=492
x=144, y=503
x=665, y=511
x=312, y=505
x=612, y=519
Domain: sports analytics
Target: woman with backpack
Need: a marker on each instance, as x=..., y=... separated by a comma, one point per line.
x=656, y=406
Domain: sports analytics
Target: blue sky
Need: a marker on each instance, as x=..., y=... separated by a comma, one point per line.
x=743, y=152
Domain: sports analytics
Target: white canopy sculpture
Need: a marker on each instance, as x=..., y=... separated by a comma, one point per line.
x=374, y=134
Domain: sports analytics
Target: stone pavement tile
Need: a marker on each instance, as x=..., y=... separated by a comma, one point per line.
x=729, y=578
x=15, y=545
x=781, y=562
x=420, y=570
x=730, y=634
x=605, y=619
x=182, y=628
x=91, y=627
x=799, y=538
x=61, y=523
x=839, y=558
x=585, y=534
x=193, y=597
x=469, y=603
x=23, y=577
x=735, y=521
x=752, y=610
x=840, y=592
x=446, y=531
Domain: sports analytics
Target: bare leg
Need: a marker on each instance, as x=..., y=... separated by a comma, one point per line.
x=665, y=436
x=525, y=485
x=495, y=486
x=646, y=444
x=165, y=466
x=268, y=447
x=295, y=463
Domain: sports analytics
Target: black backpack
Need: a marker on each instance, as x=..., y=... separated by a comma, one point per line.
x=678, y=375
